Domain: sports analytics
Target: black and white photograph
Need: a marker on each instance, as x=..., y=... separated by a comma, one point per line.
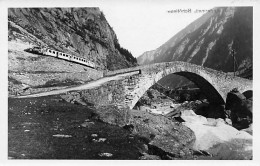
x=129, y=80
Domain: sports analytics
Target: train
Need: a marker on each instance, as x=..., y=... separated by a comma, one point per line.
x=61, y=55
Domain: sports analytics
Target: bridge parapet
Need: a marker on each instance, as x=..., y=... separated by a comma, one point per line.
x=215, y=84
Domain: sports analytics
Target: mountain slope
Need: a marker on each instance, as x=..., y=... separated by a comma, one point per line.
x=83, y=32
x=208, y=41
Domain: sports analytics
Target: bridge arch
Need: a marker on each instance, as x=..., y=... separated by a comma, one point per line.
x=214, y=84
x=202, y=80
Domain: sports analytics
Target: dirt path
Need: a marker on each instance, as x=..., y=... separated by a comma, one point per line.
x=89, y=85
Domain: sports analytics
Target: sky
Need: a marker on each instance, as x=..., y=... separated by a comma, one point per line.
x=144, y=25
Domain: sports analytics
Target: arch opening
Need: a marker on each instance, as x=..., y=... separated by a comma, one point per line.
x=206, y=88
x=158, y=102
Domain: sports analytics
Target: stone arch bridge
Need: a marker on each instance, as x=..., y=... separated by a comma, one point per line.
x=214, y=84
x=126, y=86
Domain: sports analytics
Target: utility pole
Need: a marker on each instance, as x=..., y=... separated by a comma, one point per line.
x=234, y=67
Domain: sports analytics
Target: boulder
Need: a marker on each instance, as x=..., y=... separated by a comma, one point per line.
x=173, y=105
x=248, y=94
x=215, y=132
x=214, y=135
x=215, y=122
x=174, y=113
x=190, y=117
x=74, y=98
x=149, y=157
x=240, y=109
x=228, y=121
x=169, y=147
x=163, y=135
x=105, y=154
x=209, y=110
x=216, y=111
x=234, y=149
x=217, y=137
x=249, y=129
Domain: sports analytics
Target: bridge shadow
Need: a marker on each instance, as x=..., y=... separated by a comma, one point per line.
x=206, y=88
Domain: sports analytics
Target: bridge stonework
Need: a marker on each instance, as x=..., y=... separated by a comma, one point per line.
x=214, y=84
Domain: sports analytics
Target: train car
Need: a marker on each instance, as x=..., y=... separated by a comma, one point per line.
x=91, y=64
x=61, y=55
x=51, y=53
x=35, y=50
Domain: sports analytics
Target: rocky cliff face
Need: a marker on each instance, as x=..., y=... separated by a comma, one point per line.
x=83, y=32
x=208, y=41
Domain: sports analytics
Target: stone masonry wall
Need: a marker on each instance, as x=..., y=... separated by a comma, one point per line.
x=113, y=92
x=129, y=89
x=215, y=84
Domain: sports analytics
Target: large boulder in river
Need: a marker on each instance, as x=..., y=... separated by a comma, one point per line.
x=190, y=117
x=240, y=109
x=209, y=110
x=218, y=138
x=164, y=137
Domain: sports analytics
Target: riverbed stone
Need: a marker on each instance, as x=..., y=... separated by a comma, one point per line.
x=191, y=117
x=167, y=136
x=149, y=157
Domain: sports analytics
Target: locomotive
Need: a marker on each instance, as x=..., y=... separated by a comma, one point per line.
x=61, y=55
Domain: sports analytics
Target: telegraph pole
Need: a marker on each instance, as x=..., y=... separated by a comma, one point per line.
x=234, y=67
